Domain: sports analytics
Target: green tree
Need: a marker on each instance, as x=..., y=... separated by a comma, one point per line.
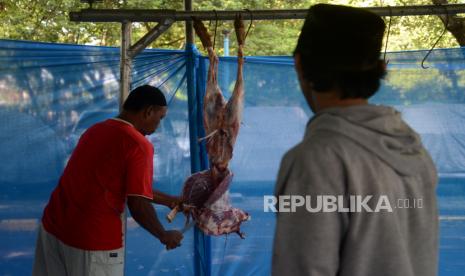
x=48, y=20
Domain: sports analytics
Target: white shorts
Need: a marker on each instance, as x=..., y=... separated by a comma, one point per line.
x=53, y=257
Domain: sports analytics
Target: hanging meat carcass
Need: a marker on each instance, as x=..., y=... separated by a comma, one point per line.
x=206, y=193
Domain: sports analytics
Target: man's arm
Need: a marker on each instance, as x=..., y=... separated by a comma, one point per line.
x=143, y=212
x=165, y=199
x=308, y=243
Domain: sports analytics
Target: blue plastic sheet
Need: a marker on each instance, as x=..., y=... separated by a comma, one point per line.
x=50, y=93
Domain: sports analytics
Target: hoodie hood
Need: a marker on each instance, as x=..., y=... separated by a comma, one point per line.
x=377, y=129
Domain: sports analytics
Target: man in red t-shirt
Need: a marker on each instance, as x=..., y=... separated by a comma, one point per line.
x=82, y=229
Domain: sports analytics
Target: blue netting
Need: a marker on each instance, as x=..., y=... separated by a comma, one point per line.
x=50, y=93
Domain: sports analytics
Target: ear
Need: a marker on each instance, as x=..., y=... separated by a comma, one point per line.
x=304, y=84
x=148, y=111
x=298, y=68
x=298, y=64
x=384, y=64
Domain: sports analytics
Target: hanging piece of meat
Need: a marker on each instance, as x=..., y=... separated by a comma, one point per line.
x=206, y=193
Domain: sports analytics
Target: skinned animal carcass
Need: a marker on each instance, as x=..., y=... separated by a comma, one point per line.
x=206, y=193
x=210, y=207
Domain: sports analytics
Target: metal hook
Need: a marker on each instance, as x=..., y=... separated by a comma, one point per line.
x=387, y=36
x=251, y=22
x=437, y=41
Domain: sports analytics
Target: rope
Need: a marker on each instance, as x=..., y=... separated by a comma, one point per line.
x=216, y=27
x=208, y=136
x=250, y=25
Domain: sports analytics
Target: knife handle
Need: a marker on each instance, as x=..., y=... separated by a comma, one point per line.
x=172, y=214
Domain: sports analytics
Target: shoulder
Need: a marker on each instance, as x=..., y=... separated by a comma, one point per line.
x=128, y=136
x=319, y=147
x=313, y=165
x=310, y=156
x=138, y=143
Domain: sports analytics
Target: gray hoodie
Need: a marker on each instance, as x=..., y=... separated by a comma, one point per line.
x=364, y=151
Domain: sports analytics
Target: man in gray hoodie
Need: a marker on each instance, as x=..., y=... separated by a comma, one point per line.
x=362, y=159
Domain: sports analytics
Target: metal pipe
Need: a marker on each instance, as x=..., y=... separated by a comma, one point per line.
x=140, y=15
x=189, y=25
x=226, y=42
x=125, y=62
x=224, y=74
x=202, y=247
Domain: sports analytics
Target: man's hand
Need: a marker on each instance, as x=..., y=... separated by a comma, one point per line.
x=176, y=201
x=143, y=212
x=171, y=239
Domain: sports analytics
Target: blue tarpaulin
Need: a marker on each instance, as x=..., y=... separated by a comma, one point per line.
x=51, y=93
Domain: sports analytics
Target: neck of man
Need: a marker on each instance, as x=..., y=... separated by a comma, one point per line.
x=331, y=98
x=131, y=118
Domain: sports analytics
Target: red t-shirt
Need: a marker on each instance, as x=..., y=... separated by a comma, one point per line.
x=111, y=161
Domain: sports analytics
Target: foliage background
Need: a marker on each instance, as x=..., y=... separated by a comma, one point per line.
x=48, y=21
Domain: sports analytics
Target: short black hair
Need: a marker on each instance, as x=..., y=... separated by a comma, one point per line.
x=340, y=46
x=142, y=97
